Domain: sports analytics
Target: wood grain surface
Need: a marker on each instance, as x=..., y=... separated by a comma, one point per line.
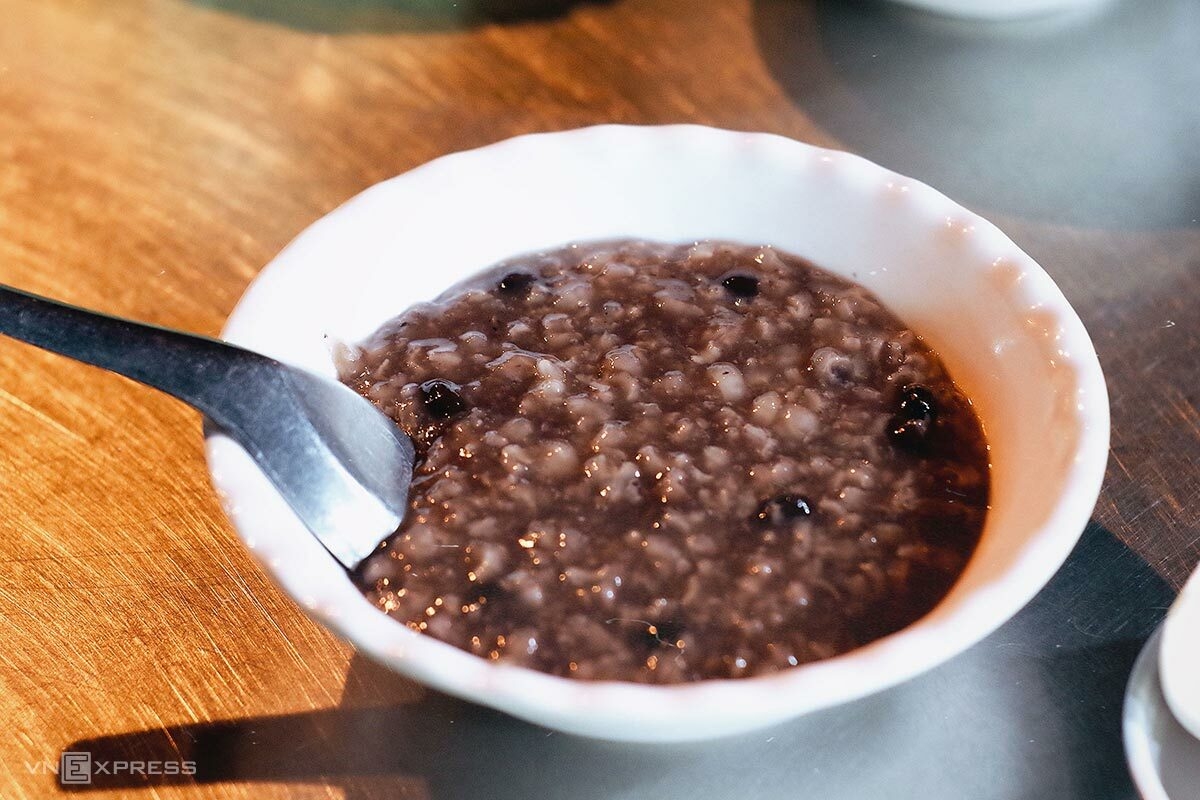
x=154, y=154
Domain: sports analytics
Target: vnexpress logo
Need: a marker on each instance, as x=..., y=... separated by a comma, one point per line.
x=79, y=768
x=75, y=768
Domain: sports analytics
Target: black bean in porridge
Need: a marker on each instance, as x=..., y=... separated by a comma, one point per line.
x=667, y=463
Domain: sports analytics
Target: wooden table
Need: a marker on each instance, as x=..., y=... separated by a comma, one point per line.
x=154, y=154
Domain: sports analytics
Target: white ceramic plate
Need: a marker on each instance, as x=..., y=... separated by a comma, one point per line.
x=1007, y=334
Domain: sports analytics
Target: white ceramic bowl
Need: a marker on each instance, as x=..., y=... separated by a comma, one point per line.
x=1007, y=334
x=1002, y=9
x=1163, y=758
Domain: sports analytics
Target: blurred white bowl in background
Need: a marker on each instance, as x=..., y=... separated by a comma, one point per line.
x=1000, y=9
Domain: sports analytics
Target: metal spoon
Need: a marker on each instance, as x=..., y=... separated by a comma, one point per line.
x=342, y=466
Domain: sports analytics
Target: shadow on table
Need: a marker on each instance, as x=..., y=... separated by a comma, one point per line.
x=392, y=16
x=1089, y=120
x=1032, y=712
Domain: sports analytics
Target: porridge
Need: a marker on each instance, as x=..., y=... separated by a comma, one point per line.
x=666, y=463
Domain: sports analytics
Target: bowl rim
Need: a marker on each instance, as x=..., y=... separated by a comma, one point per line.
x=550, y=699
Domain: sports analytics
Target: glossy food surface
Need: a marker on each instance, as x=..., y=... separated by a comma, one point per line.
x=665, y=463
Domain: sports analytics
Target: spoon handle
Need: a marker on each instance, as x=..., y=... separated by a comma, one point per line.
x=342, y=466
x=196, y=369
